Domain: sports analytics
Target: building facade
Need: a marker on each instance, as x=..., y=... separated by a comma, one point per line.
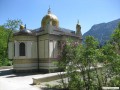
x=37, y=49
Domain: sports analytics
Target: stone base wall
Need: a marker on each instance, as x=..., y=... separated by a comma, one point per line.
x=25, y=64
x=46, y=65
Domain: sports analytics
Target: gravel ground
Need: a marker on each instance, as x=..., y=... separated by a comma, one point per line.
x=11, y=81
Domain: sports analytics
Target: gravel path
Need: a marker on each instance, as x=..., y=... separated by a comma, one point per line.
x=10, y=81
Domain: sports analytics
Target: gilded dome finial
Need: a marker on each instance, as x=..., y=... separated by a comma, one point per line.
x=22, y=27
x=50, y=17
x=49, y=11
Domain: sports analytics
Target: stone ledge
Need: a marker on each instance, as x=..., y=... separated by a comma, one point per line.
x=47, y=78
x=55, y=76
x=6, y=67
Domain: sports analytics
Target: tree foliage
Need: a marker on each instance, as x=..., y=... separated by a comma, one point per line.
x=6, y=33
x=82, y=63
x=3, y=45
x=12, y=24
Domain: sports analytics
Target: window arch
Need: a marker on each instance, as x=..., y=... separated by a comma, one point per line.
x=22, y=49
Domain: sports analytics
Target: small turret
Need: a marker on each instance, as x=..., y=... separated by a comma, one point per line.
x=22, y=27
x=78, y=29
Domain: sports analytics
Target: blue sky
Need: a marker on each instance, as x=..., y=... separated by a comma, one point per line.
x=89, y=12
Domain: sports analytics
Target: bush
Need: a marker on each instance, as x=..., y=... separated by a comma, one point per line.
x=77, y=60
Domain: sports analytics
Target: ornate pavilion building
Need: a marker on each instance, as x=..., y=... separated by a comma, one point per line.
x=37, y=49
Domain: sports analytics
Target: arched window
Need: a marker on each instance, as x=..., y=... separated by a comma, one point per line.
x=22, y=49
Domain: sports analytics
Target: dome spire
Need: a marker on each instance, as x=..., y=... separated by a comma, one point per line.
x=78, y=22
x=49, y=10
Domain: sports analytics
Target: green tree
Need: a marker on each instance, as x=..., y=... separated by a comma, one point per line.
x=116, y=38
x=91, y=57
x=111, y=60
x=115, y=62
x=77, y=60
x=12, y=26
x=6, y=33
x=3, y=45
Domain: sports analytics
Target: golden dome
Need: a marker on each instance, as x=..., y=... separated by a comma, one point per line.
x=22, y=27
x=49, y=17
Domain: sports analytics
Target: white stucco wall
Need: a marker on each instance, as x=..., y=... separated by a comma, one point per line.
x=41, y=49
x=34, y=49
x=16, y=49
x=55, y=49
x=51, y=52
x=11, y=50
x=46, y=48
x=30, y=49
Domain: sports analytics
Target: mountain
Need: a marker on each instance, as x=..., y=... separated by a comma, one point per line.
x=102, y=31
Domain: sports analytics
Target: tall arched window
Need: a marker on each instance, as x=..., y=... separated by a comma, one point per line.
x=22, y=49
